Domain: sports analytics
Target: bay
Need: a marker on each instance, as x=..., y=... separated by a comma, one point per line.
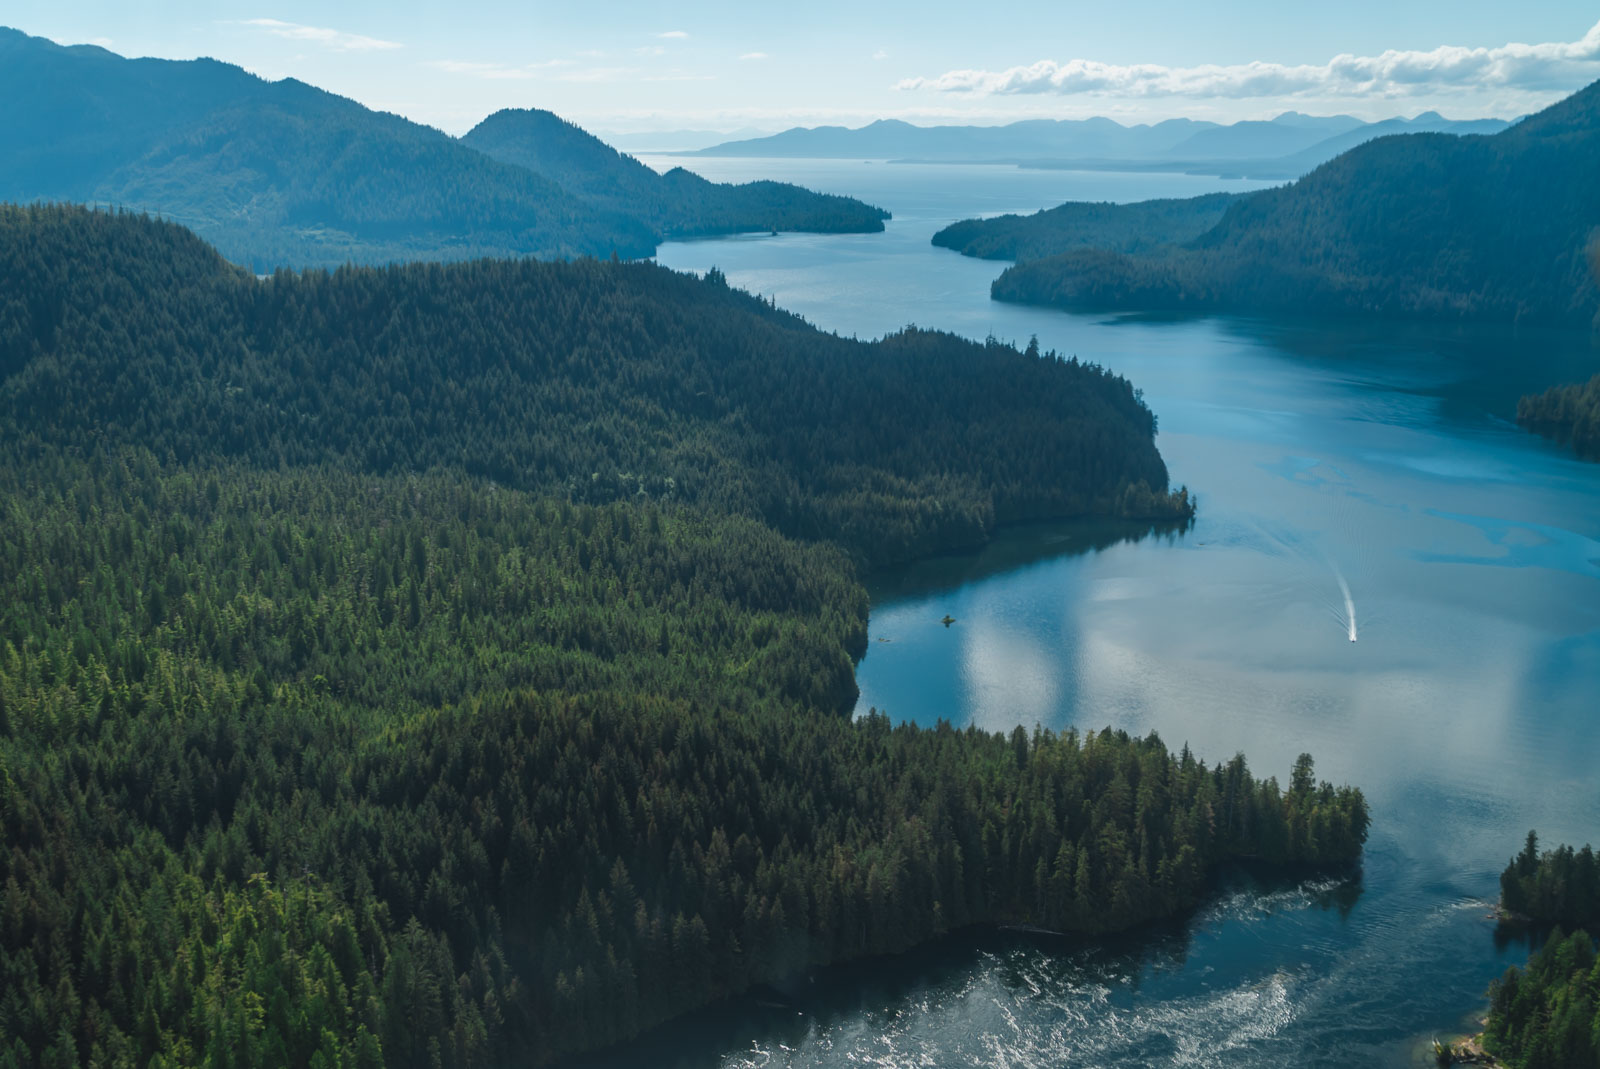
x=1374, y=459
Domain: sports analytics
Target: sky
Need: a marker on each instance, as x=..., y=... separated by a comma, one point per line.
x=623, y=66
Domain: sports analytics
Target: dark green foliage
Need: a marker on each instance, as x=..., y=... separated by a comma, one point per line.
x=282, y=173
x=677, y=204
x=1547, y=1016
x=1569, y=414
x=396, y=669
x=594, y=380
x=1560, y=886
x=1431, y=225
x=1078, y=224
x=520, y=777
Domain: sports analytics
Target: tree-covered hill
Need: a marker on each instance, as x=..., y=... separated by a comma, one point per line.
x=592, y=379
x=677, y=204
x=1125, y=228
x=396, y=669
x=1475, y=228
x=282, y=173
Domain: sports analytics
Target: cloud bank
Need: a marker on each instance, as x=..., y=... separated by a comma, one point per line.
x=1537, y=67
x=336, y=40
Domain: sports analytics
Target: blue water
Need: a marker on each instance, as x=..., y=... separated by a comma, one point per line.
x=1381, y=456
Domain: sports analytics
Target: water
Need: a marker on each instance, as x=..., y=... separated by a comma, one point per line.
x=1384, y=572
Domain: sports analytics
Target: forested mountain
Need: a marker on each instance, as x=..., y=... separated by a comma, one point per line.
x=1473, y=228
x=1569, y=414
x=1429, y=122
x=598, y=380
x=676, y=204
x=395, y=668
x=281, y=173
x=1547, y=1016
x=1133, y=227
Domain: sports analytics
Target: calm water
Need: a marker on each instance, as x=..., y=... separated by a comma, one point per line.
x=1377, y=458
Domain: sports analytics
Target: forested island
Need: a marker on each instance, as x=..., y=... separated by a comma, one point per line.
x=286, y=174
x=1547, y=1016
x=1569, y=414
x=443, y=665
x=1479, y=228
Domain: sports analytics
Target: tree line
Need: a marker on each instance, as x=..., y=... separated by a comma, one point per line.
x=1570, y=414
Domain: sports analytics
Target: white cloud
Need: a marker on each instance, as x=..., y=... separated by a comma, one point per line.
x=880, y=54
x=673, y=35
x=1551, y=66
x=337, y=40
x=650, y=50
x=753, y=55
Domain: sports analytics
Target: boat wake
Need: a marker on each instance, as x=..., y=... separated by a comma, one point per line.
x=1349, y=603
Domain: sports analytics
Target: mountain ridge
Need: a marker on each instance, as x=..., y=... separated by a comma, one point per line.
x=284, y=173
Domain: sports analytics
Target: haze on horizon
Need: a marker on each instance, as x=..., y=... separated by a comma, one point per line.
x=720, y=66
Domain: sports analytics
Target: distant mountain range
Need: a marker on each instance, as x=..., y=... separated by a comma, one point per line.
x=1284, y=147
x=678, y=140
x=1474, y=228
x=283, y=173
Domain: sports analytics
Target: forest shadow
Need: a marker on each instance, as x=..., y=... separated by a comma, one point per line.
x=820, y=1000
x=1018, y=547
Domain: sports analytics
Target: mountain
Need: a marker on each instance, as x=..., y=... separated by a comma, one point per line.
x=676, y=204
x=1256, y=140
x=1287, y=146
x=1485, y=227
x=1429, y=122
x=283, y=173
x=894, y=139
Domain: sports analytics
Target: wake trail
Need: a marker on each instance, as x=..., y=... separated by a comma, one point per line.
x=1349, y=602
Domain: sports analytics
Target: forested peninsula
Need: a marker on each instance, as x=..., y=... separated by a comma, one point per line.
x=1136, y=227
x=444, y=665
x=1429, y=225
x=1547, y=1016
x=285, y=174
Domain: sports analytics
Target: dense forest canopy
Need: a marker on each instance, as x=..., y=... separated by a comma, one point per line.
x=401, y=667
x=592, y=379
x=1430, y=225
x=677, y=204
x=1547, y=1016
x=282, y=173
x=415, y=771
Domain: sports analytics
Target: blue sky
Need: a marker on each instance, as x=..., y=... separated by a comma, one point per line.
x=629, y=65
